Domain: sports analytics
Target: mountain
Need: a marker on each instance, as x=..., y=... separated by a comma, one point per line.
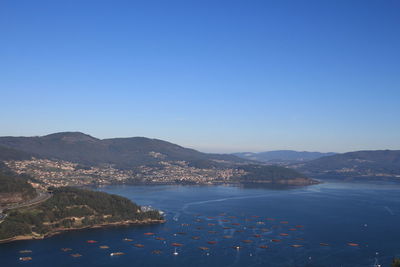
x=123, y=153
x=359, y=164
x=282, y=156
x=7, y=153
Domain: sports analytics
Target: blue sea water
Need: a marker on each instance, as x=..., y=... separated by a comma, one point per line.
x=332, y=213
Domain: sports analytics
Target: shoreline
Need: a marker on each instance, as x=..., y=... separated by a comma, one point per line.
x=96, y=226
x=289, y=182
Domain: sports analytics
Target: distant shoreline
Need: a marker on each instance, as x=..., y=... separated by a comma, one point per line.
x=96, y=226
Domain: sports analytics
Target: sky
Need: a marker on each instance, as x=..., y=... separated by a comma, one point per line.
x=217, y=76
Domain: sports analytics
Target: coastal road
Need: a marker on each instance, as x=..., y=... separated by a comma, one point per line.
x=41, y=197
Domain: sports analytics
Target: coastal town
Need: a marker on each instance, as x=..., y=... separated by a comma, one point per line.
x=57, y=173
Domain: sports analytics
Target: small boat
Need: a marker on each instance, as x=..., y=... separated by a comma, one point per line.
x=263, y=246
x=235, y=223
x=198, y=220
x=160, y=238
x=222, y=214
x=270, y=219
x=139, y=245
x=299, y=238
x=264, y=230
x=232, y=217
x=76, y=255
x=204, y=248
x=299, y=226
x=211, y=224
x=117, y=253
x=257, y=235
x=236, y=247
x=226, y=227
x=247, y=241
x=127, y=239
x=91, y=241
x=292, y=229
x=185, y=224
x=283, y=234
x=157, y=252
x=175, y=252
x=212, y=232
x=66, y=249
x=260, y=222
x=199, y=228
x=212, y=242
x=25, y=258
x=196, y=237
x=353, y=244
x=296, y=246
x=324, y=244
x=148, y=233
x=104, y=247
x=210, y=217
x=239, y=231
x=224, y=220
x=227, y=236
x=25, y=251
x=284, y=222
x=276, y=240
x=255, y=216
x=176, y=244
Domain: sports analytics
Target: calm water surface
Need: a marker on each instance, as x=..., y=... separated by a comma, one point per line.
x=332, y=213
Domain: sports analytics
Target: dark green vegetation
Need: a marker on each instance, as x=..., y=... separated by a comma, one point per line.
x=396, y=262
x=282, y=156
x=122, y=152
x=379, y=163
x=73, y=208
x=273, y=175
x=14, y=189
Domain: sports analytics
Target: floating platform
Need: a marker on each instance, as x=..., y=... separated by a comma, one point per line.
x=117, y=253
x=25, y=258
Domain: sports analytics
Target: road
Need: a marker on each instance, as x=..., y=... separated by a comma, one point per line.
x=41, y=197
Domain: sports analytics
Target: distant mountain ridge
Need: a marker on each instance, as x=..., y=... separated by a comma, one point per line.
x=121, y=152
x=368, y=163
x=277, y=156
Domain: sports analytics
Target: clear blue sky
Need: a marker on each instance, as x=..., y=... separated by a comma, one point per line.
x=218, y=76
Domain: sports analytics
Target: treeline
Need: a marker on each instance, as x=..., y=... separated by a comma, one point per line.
x=14, y=184
x=67, y=205
x=272, y=173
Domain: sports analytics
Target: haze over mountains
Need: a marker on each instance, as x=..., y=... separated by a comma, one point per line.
x=282, y=156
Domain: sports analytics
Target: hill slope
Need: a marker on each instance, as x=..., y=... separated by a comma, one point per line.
x=14, y=189
x=121, y=152
x=73, y=208
x=282, y=156
x=377, y=163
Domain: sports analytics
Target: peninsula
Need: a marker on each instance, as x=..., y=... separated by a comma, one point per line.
x=71, y=209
